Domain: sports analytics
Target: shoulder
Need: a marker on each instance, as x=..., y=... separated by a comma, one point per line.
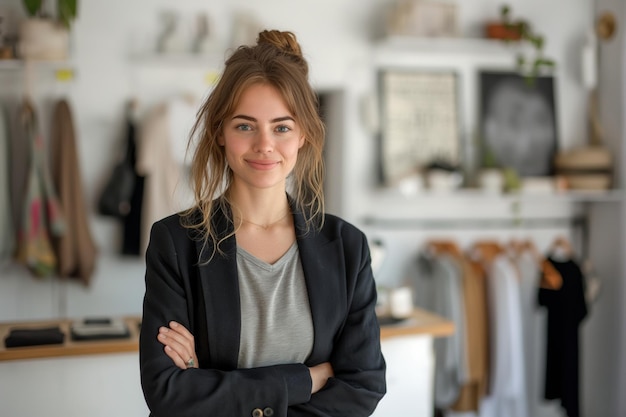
x=336, y=227
x=176, y=226
x=336, y=223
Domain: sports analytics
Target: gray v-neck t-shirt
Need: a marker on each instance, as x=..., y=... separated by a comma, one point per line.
x=276, y=323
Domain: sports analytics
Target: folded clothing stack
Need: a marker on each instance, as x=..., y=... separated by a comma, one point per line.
x=99, y=329
x=34, y=337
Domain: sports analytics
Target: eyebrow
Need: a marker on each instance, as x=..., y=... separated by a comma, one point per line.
x=252, y=119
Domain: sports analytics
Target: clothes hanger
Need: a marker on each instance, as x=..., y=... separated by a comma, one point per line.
x=550, y=277
x=561, y=249
x=441, y=246
x=486, y=250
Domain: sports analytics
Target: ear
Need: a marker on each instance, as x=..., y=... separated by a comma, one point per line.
x=220, y=139
x=301, y=142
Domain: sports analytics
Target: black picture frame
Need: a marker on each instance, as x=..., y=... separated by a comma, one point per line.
x=419, y=121
x=518, y=123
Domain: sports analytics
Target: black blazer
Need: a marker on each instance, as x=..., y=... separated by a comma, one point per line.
x=205, y=299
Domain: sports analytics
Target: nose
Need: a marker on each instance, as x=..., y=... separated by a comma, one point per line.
x=264, y=141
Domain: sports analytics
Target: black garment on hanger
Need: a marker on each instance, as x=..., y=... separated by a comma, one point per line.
x=566, y=310
x=132, y=222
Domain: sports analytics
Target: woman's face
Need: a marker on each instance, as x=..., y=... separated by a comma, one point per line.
x=261, y=139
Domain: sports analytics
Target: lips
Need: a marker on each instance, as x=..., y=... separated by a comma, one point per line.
x=262, y=165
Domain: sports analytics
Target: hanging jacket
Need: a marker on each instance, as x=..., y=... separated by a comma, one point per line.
x=42, y=215
x=131, y=240
x=75, y=249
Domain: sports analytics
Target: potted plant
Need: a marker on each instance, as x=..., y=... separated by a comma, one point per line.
x=520, y=30
x=46, y=37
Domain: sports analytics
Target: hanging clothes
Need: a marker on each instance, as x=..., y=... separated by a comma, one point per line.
x=20, y=165
x=566, y=309
x=437, y=286
x=474, y=287
x=42, y=218
x=530, y=265
x=161, y=152
x=507, y=395
x=7, y=236
x=131, y=240
x=75, y=249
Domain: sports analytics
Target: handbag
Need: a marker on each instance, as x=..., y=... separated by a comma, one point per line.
x=115, y=199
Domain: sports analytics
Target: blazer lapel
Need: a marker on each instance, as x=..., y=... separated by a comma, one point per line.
x=220, y=288
x=320, y=262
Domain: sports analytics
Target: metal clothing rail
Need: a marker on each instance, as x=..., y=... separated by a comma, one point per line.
x=475, y=223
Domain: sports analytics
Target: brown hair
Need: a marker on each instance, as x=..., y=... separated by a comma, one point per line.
x=276, y=60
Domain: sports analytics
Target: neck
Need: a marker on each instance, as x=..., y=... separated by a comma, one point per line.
x=266, y=226
x=262, y=211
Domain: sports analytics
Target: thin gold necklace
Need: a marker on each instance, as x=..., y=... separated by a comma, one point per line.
x=268, y=225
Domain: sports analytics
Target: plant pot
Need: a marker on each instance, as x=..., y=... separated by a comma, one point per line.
x=497, y=30
x=491, y=180
x=43, y=39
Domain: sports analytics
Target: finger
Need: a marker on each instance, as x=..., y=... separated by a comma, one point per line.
x=180, y=348
x=175, y=357
x=180, y=334
x=177, y=337
x=181, y=360
x=179, y=328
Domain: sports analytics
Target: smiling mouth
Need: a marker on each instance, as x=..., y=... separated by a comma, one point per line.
x=263, y=165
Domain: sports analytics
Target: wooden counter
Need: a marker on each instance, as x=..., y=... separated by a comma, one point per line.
x=422, y=322
x=69, y=347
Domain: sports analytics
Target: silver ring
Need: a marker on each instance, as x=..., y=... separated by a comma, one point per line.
x=190, y=363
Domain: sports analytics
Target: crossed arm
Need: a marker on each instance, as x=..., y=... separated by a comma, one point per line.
x=179, y=347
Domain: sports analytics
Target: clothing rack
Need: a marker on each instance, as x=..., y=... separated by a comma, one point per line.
x=579, y=225
x=476, y=223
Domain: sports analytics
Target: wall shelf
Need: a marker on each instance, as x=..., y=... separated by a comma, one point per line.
x=185, y=60
x=575, y=196
x=456, y=46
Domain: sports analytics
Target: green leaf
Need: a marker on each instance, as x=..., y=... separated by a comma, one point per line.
x=505, y=11
x=32, y=6
x=67, y=10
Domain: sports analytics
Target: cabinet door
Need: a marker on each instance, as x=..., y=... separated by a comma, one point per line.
x=410, y=375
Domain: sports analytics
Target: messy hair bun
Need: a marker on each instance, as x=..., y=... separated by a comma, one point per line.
x=286, y=42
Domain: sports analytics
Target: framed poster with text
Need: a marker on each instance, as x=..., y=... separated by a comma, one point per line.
x=420, y=125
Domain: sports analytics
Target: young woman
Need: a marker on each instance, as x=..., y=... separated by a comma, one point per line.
x=257, y=303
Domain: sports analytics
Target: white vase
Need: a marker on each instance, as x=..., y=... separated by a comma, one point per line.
x=43, y=39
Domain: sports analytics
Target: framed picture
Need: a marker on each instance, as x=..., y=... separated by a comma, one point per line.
x=518, y=123
x=419, y=121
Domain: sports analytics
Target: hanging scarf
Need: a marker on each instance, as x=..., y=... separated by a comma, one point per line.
x=7, y=237
x=42, y=215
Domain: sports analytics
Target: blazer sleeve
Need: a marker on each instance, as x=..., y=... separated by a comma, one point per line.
x=357, y=360
x=170, y=391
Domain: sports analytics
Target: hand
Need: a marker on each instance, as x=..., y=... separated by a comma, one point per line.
x=319, y=375
x=179, y=345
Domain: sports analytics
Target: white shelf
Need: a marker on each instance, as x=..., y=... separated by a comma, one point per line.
x=20, y=64
x=580, y=196
x=192, y=61
x=455, y=46
x=11, y=64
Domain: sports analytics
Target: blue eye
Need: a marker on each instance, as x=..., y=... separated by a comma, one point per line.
x=243, y=127
x=283, y=129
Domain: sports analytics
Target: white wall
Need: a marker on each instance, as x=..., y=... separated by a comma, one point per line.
x=338, y=37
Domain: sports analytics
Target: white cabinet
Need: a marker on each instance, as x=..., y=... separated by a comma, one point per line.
x=410, y=375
